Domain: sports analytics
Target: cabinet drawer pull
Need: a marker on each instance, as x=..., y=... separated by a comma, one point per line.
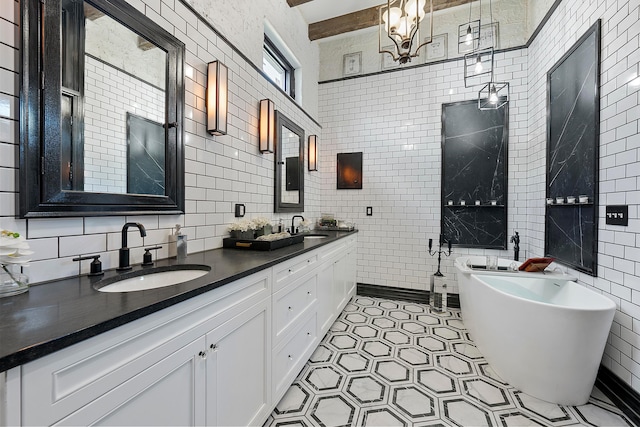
x=203, y=355
x=308, y=334
x=213, y=347
x=290, y=308
x=309, y=293
x=290, y=358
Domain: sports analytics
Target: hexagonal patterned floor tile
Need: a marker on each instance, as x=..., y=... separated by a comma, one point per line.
x=455, y=323
x=350, y=308
x=446, y=333
x=596, y=415
x=465, y=413
x=487, y=371
x=321, y=354
x=373, y=311
x=413, y=356
x=396, y=337
x=376, y=348
x=365, y=331
x=293, y=401
x=366, y=389
x=431, y=343
x=353, y=362
x=381, y=417
x=383, y=322
x=549, y=411
x=454, y=364
x=364, y=301
x=413, y=327
x=518, y=419
x=414, y=308
x=333, y=411
x=485, y=392
x=436, y=381
x=392, y=371
x=413, y=402
x=355, y=318
x=388, y=304
x=343, y=342
x=399, y=315
x=339, y=326
x=428, y=319
x=399, y=363
x=467, y=349
x=323, y=378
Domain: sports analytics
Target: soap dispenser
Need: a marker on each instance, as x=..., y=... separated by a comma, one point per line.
x=181, y=244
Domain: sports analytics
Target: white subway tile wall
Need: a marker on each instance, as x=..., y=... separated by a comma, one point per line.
x=395, y=120
x=220, y=171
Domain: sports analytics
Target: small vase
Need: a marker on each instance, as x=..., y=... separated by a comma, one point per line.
x=13, y=284
x=263, y=231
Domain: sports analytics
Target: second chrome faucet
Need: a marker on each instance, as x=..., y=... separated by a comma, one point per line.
x=124, y=255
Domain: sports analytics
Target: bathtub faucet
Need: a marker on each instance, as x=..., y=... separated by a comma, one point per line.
x=515, y=239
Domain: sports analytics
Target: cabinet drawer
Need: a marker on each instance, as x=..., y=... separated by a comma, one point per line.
x=292, y=356
x=292, y=269
x=291, y=303
x=329, y=251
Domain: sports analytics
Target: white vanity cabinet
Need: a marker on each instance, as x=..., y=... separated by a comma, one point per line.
x=163, y=369
x=225, y=357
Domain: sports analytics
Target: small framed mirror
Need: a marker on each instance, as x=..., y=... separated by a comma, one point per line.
x=289, y=166
x=101, y=111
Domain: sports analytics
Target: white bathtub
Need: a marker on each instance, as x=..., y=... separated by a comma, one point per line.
x=542, y=335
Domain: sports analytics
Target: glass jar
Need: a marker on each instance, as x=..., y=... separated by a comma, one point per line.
x=11, y=282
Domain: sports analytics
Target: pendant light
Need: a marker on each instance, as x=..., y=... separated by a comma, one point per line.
x=401, y=21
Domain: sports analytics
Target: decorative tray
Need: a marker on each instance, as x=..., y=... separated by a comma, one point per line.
x=261, y=245
x=334, y=228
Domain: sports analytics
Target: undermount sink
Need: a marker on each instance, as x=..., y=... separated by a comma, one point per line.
x=152, y=278
x=315, y=236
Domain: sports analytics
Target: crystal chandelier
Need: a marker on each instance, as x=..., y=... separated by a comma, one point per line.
x=400, y=21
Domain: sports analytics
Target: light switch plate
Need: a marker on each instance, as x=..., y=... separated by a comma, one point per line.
x=369, y=210
x=617, y=215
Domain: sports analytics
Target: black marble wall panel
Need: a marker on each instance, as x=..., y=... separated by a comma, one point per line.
x=572, y=153
x=146, y=156
x=474, y=167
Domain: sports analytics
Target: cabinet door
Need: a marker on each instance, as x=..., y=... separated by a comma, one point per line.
x=169, y=393
x=351, y=271
x=239, y=369
x=325, y=298
x=340, y=284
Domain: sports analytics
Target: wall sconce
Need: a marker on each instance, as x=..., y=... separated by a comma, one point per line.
x=267, y=126
x=313, y=152
x=217, y=98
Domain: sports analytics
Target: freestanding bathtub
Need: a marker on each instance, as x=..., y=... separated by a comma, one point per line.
x=543, y=335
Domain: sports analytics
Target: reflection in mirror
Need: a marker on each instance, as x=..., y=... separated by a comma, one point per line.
x=124, y=96
x=289, y=186
x=105, y=132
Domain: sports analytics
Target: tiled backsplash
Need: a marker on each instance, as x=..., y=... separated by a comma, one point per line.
x=220, y=171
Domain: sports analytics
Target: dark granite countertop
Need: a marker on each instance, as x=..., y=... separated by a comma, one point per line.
x=57, y=314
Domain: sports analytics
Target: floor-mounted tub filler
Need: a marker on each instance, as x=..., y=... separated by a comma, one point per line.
x=543, y=334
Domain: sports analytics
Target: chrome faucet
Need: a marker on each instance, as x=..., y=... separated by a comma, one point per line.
x=293, y=220
x=124, y=263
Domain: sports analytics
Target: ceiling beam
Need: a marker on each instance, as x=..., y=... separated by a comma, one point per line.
x=294, y=3
x=361, y=19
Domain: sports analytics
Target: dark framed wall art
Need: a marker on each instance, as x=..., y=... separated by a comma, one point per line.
x=474, y=175
x=573, y=134
x=349, y=171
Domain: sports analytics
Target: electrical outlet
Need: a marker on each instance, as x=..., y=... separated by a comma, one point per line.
x=240, y=210
x=369, y=210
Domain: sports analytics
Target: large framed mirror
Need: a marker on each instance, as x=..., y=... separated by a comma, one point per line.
x=102, y=106
x=289, y=168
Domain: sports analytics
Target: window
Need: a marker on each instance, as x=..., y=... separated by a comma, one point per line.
x=277, y=68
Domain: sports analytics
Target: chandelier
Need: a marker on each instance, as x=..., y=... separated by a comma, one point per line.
x=400, y=21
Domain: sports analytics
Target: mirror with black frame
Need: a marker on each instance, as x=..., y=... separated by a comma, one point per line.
x=101, y=111
x=289, y=166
